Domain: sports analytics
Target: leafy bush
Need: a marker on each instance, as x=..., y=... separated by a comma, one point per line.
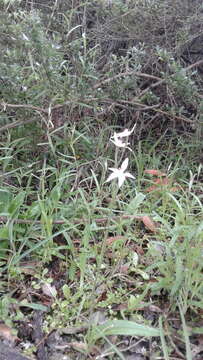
x=95, y=61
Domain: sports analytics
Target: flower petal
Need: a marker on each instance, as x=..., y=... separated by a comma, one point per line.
x=121, y=180
x=127, y=174
x=115, y=170
x=125, y=132
x=124, y=165
x=118, y=142
x=111, y=177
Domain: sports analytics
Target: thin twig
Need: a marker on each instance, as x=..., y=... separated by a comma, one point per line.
x=126, y=73
x=143, y=107
x=140, y=74
x=162, y=81
x=23, y=106
x=58, y=106
x=175, y=347
x=174, y=116
x=16, y=124
x=156, y=109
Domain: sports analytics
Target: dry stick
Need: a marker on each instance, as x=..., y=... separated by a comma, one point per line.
x=174, y=116
x=143, y=107
x=154, y=108
x=16, y=124
x=21, y=122
x=36, y=108
x=148, y=76
x=118, y=104
x=24, y=106
x=4, y=219
x=58, y=106
x=162, y=81
x=30, y=107
x=126, y=73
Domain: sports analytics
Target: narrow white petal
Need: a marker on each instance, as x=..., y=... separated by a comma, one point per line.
x=111, y=177
x=114, y=137
x=121, y=180
x=115, y=170
x=125, y=132
x=127, y=174
x=119, y=143
x=133, y=128
x=124, y=165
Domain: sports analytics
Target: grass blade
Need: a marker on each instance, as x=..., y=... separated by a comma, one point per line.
x=163, y=341
x=186, y=335
x=124, y=327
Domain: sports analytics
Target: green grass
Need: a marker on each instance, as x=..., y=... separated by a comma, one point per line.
x=60, y=213
x=109, y=268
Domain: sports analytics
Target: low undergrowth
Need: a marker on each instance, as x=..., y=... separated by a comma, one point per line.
x=85, y=252
x=97, y=261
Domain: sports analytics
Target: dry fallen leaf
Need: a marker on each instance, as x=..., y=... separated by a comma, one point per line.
x=154, y=172
x=152, y=188
x=110, y=240
x=162, y=182
x=149, y=223
x=6, y=333
x=154, y=308
x=124, y=269
x=29, y=267
x=78, y=345
x=49, y=290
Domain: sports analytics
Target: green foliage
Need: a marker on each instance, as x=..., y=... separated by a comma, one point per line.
x=122, y=327
x=70, y=75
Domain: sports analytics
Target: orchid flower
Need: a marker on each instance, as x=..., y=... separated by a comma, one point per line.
x=120, y=173
x=118, y=142
x=125, y=132
x=116, y=139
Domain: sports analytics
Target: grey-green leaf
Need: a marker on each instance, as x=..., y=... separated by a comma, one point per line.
x=124, y=327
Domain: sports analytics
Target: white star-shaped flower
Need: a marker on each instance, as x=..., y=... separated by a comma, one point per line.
x=120, y=173
x=117, y=140
x=125, y=132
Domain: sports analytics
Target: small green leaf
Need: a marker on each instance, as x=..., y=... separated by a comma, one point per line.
x=197, y=330
x=55, y=194
x=4, y=233
x=198, y=304
x=66, y=291
x=124, y=327
x=5, y=200
x=135, y=203
x=33, y=306
x=16, y=203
